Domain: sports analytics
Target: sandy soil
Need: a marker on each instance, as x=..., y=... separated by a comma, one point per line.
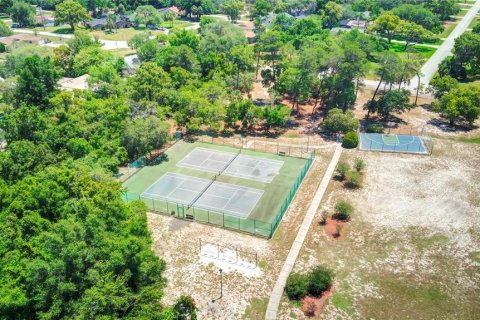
x=192, y=273
x=416, y=227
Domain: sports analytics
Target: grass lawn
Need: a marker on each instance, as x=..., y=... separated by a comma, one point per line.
x=121, y=34
x=399, y=48
x=446, y=32
x=470, y=140
x=55, y=29
x=178, y=25
x=474, y=23
x=123, y=52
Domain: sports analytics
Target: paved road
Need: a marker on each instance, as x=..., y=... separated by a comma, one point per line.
x=431, y=66
x=107, y=44
x=276, y=295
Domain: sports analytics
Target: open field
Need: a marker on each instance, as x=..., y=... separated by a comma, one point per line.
x=412, y=248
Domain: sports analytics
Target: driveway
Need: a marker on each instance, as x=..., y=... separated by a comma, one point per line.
x=445, y=49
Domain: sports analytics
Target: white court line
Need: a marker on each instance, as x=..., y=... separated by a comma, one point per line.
x=184, y=178
x=233, y=196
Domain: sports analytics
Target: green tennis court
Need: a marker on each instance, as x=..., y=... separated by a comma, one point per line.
x=248, y=190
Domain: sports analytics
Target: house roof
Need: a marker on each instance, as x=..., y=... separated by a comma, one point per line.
x=173, y=9
x=74, y=83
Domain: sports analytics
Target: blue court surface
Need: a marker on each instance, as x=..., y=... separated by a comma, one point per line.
x=392, y=143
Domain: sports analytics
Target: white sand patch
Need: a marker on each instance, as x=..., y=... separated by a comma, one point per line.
x=228, y=260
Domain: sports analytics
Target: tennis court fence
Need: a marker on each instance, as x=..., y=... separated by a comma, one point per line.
x=298, y=148
x=425, y=145
x=252, y=226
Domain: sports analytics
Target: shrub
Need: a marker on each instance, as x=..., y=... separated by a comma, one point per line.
x=350, y=140
x=342, y=169
x=338, y=122
x=354, y=179
x=343, y=210
x=359, y=164
x=320, y=280
x=2, y=48
x=323, y=220
x=375, y=128
x=297, y=286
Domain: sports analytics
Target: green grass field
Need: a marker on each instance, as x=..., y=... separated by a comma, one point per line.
x=261, y=219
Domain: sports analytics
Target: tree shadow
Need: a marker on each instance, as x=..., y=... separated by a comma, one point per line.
x=445, y=126
x=63, y=31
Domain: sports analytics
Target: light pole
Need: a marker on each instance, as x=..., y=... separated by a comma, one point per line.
x=221, y=286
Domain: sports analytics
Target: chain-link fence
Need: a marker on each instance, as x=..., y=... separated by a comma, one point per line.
x=251, y=226
x=299, y=148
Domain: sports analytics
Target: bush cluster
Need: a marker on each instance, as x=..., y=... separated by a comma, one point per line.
x=375, y=128
x=314, y=283
x=352, y=178
x=343, y=211
x=350, y=140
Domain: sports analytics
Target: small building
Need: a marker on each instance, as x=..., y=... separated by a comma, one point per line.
x=121, y=22
x=78, y=83
x=21, y=37
x=175, y=10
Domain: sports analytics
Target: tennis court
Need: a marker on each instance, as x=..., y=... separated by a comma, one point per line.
x=223, y=197
x=392, y=143
x=232, y=164
x=220, y=185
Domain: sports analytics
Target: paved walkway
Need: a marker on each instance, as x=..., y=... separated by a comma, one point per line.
x=277, y=291
x=431, y=66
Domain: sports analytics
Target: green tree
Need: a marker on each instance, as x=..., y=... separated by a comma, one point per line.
x=243, y=58
x=443, y=8
x=147, y=15
x=4, y=29
x=6, y=6
x=196, y=7
x=261, y=8
x=412, y=32
x=460, y=104
x=111, y=20
x=170, y=16
x=333, y=13
x=296, y=83
x=440, y=86
x=386, y=23
x=37, y=82
x=276, y=117
x=320, y=280
x=297, y=286
x=338, y=122
x=184, y=37
x=232, y=9
x=150, y=83
x=419, y=15
x=71, y=12
x=142, y=136
x=23, y=14
x=393, y=101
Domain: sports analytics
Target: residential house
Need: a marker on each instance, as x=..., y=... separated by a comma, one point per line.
x=121, y=22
